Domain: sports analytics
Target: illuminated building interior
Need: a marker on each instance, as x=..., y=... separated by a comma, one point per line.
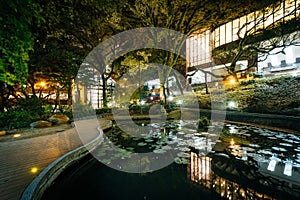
x=199, y=46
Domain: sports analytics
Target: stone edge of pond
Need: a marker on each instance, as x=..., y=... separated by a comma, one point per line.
x=43, y=181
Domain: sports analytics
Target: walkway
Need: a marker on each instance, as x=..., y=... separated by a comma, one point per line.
x=18, y=157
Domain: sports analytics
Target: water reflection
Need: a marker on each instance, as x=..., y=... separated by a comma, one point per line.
x=244, y=163
x=233, y=179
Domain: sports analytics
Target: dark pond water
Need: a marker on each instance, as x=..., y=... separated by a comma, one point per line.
x=243, y=162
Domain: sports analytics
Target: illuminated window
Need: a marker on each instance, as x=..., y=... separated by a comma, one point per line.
x=297, y=7
x=217, y=37
x=243, y=26
x=278, y=14
x=269, y=17
x=188, y=50
x=290, y=54
x=259, y=21
x=289, y=9
x=207, y=46
x=229, y=32
x=222, y=35
x=236, y=27
x=251, y=22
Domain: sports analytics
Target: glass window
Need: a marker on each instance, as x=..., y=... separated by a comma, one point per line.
x=251, y=22
x=259, y=19
x=187, y=47
x=278, y=14
x=217, y=37
x=243, y=24
x=207, y=46
x=229, y=32
x=268, y=19
x=235, y=29
x=222, y=35
x=289, y=8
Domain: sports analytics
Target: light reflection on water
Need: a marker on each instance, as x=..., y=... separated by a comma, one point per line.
x=258, y=164
x=247, y=155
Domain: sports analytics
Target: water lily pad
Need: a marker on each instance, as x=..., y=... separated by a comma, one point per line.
x=159, y=151
x=183, y=149
x=106, y=161
x=280, y=136
x=171, y=142
x=149, y=140
x=141, y=144
x=285, y=144
x=188, y=135
x=101, y=154
x=254, y=145
x=166, y=147
x=183, y=155
x=130, y=148
x=279, y=149
x=181, y=160
x=265, y=152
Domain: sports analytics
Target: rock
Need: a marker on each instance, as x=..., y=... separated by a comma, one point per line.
x=2, y=133
x=59, y=119
x=40, y=124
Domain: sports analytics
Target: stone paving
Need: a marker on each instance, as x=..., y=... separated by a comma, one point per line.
x=18, y=158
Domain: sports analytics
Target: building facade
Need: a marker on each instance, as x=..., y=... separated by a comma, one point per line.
x=281, y=60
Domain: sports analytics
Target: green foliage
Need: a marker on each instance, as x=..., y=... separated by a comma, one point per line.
x=170, y=106
x=279, y=95
x=103, y=111
x=140, y=93
x=27, y=111
x=269, y=95
x=138, y=109
x=203, y=123
x=16, y=38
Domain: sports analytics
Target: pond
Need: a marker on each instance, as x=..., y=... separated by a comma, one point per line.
x=243, y=162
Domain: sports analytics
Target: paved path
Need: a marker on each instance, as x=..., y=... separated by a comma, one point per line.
x=18, y=157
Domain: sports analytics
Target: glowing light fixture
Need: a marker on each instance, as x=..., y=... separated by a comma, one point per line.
x=42, y=84
x=16, y=135
x=232, y=81
x=179, y=101
x=34, y=170
x=232, y=142
x=231, y=104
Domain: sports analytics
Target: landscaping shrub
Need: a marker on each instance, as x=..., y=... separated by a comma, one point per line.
x=26, y=112
x=170, y=106
x=103, y=111
x=203, y=123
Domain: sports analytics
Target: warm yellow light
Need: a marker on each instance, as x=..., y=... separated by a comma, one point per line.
x=42, y=84
x=17, y=135
x=232, y=81
x=232, y=142
x=34, y=170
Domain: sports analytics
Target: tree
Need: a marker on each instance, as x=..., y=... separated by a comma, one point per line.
x=71, y=30
x=187, y=17
x=18, y=20
x=258, y=39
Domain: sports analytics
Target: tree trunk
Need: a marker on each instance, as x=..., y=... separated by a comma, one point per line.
x=69, y=91
x=206, y=84
x=3, y=99
x=104, y=97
